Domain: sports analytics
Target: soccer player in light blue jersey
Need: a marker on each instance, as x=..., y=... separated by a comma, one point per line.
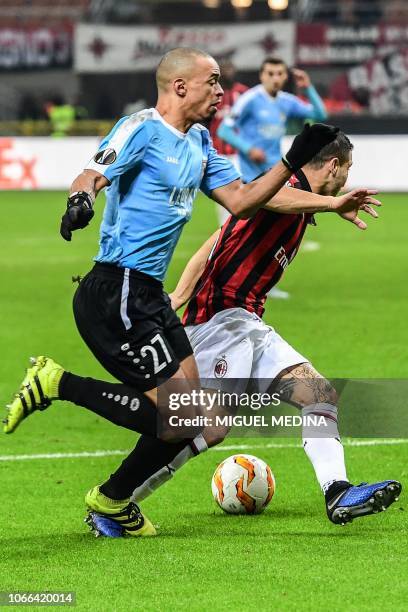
x=258, y=119
x=152, y=165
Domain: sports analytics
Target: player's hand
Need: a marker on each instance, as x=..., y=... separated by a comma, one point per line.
x=308, y=143
x=78, y=214
x=302, y=79
x=350, y=204
x=257, y=155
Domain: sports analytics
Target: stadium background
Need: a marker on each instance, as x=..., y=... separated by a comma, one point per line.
x=347, y=309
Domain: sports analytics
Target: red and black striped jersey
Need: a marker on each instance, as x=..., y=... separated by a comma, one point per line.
x=248, y=259
x=228, y=100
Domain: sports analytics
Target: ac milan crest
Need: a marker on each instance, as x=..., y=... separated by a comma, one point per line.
x=221, y=368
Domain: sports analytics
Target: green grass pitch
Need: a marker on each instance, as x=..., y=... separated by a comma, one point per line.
x=347, y=313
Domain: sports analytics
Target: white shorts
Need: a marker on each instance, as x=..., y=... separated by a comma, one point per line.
x=237, y=344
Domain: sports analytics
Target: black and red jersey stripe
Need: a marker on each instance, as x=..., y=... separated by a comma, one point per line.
x=248, y=260
x=229, y=98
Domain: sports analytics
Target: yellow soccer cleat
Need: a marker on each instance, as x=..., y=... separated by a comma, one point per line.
x=38, y=389
x=115, y=518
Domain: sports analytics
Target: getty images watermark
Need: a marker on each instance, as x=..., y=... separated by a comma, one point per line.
x=364, y=408
x=212, y=401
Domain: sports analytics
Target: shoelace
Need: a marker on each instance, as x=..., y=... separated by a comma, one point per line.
x=134, y=512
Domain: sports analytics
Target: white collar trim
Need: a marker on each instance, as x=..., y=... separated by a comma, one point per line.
x=168, y=125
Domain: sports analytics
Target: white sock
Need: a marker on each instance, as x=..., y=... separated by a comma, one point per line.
x=323, y=447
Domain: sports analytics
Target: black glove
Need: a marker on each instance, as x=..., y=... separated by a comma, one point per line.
x=78, y=214
x=308, y=143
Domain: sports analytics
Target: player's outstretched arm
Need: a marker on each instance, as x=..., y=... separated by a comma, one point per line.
x=244, y=200
x=348, y=206
x=79, y=210
x=294, y=201
x=192, y=272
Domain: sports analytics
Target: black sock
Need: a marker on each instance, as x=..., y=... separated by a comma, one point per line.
x=148, y=456
x=118, y=403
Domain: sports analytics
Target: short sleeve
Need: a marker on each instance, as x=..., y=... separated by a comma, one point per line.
x=219, y=171
x=122, y=149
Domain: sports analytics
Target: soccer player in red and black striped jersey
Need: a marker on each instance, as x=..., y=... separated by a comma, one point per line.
x=226, y=283
x=247, y=260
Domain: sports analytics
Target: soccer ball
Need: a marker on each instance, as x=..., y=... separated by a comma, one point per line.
x=243, y=484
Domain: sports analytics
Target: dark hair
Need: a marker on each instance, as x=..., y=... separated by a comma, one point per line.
x=273, y=60
x=340, y=148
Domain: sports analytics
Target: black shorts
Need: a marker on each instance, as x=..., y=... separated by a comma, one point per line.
x=127, y=321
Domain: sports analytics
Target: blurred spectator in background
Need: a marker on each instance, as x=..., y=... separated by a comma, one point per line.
x=61, y=116
x=232, y=90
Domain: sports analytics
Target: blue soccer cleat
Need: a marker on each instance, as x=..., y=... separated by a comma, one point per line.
x=102, y=526
x=362, y=500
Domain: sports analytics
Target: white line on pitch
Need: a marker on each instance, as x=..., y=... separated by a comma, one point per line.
x=376, y=442
x=226, y=447
x=96, y=453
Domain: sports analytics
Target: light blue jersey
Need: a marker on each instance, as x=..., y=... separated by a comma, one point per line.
x=155, y=173
x=259, y=120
